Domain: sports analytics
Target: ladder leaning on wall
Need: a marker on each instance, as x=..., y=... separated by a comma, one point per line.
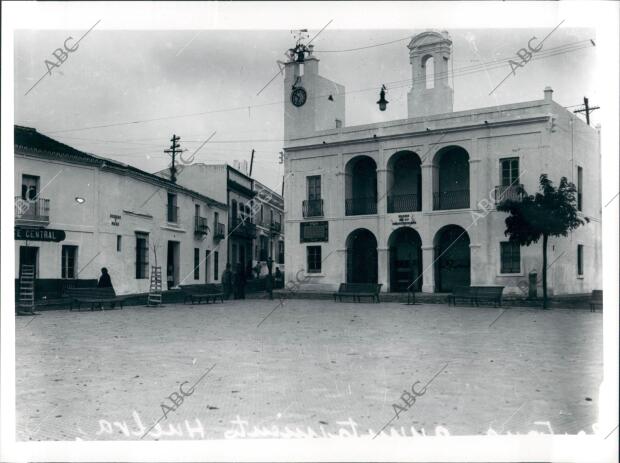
x=155, y=290
x=26, y=290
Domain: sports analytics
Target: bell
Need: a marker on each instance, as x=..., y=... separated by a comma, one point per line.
x=382, y=101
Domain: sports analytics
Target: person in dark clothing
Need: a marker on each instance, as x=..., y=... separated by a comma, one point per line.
x=104, y=280
x=227, y=282
x=239, y=282
x=278, y=279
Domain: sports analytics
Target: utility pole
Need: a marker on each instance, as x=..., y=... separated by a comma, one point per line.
x=175, y=149
x=587, y=109
x=251, y=162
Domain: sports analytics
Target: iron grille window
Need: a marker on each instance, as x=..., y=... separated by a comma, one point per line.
x=196, y=263
x=510, y=256
x=314, y=259
x=142, y=255
x=579, y=188
x=510, y=171
x=69, y=256
x=580, y=260
x=216, y=262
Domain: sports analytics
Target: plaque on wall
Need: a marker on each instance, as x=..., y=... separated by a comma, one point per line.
x=404, y=219
x=313, y=232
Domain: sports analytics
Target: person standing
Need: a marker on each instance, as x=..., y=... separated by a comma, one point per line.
x=240, y=280
x=104, y=280
x=227, y=281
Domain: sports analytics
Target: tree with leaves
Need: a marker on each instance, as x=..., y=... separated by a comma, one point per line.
x=550, y=212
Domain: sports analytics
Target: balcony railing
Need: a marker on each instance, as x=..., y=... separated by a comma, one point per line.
x=455, y=199
x=360, y=206
x=504, y=192
x=172, y=213
x=220, y=231
x=200, y=225
x=276, y=227
x=36, y=210
x=242, y=228
x=312, y=208
x=403, y=203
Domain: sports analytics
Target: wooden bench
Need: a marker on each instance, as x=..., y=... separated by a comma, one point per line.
x=596, y=300
x=94, y=296
x=461, y=292
x=358, y=290
x=200, y=292
x=488, y=294
x=477, y=294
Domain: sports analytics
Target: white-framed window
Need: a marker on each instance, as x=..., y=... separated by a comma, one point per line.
x=510, y=257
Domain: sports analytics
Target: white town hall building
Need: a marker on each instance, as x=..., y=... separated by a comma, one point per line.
x=411, y=203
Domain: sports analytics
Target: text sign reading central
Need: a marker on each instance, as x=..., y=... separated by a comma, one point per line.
x=39, y=234
x=313, y=232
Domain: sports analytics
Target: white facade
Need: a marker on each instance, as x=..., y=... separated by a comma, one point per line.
x=254, y=211
x=103, y=207
x=436, y=177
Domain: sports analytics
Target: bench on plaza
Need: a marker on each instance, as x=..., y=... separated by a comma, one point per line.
x=358, y=290
x=477, y=294
x=462, y=293
x=596, y=300
x=94, y=296
x=200, y=292
x=488, y=294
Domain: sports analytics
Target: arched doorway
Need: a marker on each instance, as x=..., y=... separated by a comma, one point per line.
x=404, y=182
x=361, y=186
x=405, y=260
x=361, y=257
x=451, y=179
x=452, y=258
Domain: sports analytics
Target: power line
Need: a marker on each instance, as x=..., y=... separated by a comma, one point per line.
x=458, y=72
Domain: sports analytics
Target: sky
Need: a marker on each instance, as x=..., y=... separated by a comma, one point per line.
x=197, y=82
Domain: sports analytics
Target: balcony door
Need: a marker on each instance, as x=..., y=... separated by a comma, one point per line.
x=30, y=187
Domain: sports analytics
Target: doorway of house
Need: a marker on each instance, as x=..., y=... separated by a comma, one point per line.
x=172, y=264
x=28, y=255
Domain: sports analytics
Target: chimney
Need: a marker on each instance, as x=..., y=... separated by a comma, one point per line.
x=548, y=94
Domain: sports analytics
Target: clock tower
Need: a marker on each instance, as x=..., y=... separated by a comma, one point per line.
x=311, y=102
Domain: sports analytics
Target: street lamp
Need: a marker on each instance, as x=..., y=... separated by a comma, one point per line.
x=382, y=101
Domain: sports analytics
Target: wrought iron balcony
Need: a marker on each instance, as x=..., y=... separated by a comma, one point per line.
x=512, y=192
x=361, y=206
x=276, y=227
x=200, y=225
x=403, y=203
x=32, y=210
x=312, y=208
x=455, y=199
x=219, y=232
x=172, y=213
x=242, y=228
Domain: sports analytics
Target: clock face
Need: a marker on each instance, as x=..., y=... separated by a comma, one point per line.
x=298, y=96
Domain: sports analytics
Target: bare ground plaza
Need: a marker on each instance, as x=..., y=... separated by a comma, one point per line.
x=311, y=369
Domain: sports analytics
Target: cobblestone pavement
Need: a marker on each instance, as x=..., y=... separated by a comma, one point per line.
x=312, y=368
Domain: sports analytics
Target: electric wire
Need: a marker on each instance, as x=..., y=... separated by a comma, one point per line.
x=567, y=48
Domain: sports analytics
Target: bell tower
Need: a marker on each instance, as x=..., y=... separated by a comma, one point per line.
x=311, y=102
x=431, y=93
